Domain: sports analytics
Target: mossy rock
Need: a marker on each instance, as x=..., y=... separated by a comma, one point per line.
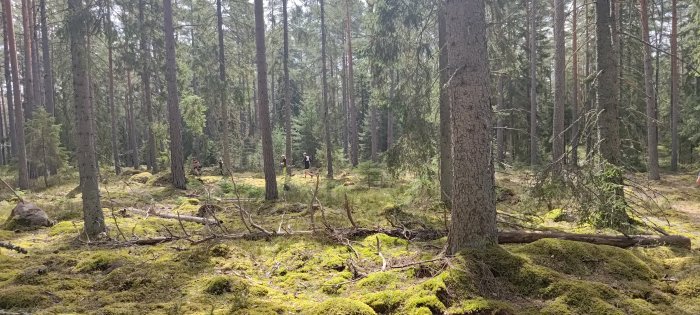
x=584, y=259
x=480, y=306
x=21, y=297
x=141, y=178
x=341, y=306
x=689, y=287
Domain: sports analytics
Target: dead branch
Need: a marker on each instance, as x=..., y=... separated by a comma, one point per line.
x=11, y=246
x=348, y=211
x=311, y=204
x=187, y=218
x=12, y=190
x=379, y=252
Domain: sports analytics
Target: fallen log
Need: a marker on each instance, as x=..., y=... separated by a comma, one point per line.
x=180, y=217
x=11, y=246
x=522, y=237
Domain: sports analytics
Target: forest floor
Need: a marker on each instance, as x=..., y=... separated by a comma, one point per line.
x=324, y=274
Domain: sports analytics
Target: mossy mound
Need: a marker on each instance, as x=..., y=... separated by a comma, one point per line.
x=141, y=178
x=63, y=228
x=21, y=297
x=584, y=259
x=341, y=306
x=162, y=179
x=100, y=261
x=689, y=287
x=480, y=306
x=222, y=284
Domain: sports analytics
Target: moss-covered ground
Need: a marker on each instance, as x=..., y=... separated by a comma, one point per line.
x=315, y=274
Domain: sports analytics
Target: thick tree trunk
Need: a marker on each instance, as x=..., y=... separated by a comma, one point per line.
x=36, y=73
x=590, y=99
x=225, y=125
x=9, y=86
x=46, y=55
x=558, y=145
x=23, y=173
x=287, y=92
x=575, y=89
x=534, y=147
x=263, y=105
x=473, y=223
x=609, y=141
x=112, y=108
x=354, y=137
x=326, y=117
x=151, y=162
x=344, y=94
x=177, y=159
x=652, y=131
x=675, y=87
x=89, y=185
x=445, y=112
x=3, y=129
x=27, y=81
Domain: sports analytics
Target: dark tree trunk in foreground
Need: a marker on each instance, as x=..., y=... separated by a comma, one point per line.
x=28, y=80
x=534, y=156
x=223, y=92
x=263, y=105
x=575, y=89
x=324, y=78
x=607, y=83
x=473, y=223
x=112, y=108
x=652, y=131
x=9, y=84
x=46, y=55
x=445, y=110
x=675, y=87
x=354, y=137
x=23, y=174
x=286, y=92
x=177, y=158
x=151, y=162
x=558, y=146
x=89, y=185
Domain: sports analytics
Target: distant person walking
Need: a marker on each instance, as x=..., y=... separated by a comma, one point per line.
x=307, y=164
x=283, y=163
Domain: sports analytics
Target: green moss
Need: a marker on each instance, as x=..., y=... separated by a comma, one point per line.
x=558, y=215
x=584, y=259
x=422, y=311
x=63, y=228
x=100, y=261
x=479, y=306
x=334, y=286
x=219, y=250
x=425, y=300
x=187, y=206
x=342, y=306
x=385, y=302
x=222, y=284
x=141, y=177
x=638, y=307
x=556, y=307
x=689, y=287
x=584, y=296
x=24, y=297
x=379, y=281
x=384, y=240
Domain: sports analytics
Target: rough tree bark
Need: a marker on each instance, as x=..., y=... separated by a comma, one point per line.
x=558, y=146
x=575, y=89
x=354, y=137
x=112, y=108
x=287, y=94
x=151, y=162
x=131, y=122
x=23, y=172
x=263, y=106
x=177, y=158
x=675, y=87
x=9, y=85
x=445, y=110
x=534, y=156
x=500, y=122
x=609, y=141
x=652, y=131
x=28, y=81
x=473, y=223
x=225, y=124
x=89, y=185
x=46, y=55
x=324, y=79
